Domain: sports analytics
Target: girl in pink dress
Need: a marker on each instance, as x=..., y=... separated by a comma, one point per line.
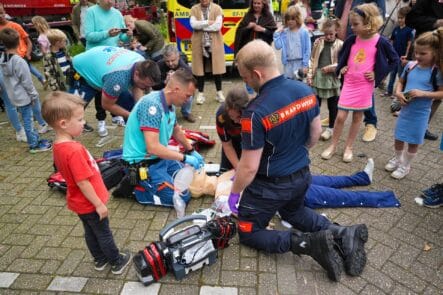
x=358, y=85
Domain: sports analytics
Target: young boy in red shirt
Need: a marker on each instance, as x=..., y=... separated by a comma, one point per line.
x=86, y=194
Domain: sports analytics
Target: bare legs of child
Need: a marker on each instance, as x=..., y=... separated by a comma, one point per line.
x=342, y=115
x=400, y=164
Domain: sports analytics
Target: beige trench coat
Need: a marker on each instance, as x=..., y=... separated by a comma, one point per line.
x=218, y=51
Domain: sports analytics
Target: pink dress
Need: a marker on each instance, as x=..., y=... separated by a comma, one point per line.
x=356, y=94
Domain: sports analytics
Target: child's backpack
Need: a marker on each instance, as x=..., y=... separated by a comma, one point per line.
x=433, y=79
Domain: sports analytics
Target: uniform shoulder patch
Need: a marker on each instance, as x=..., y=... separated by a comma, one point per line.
x=152, y=110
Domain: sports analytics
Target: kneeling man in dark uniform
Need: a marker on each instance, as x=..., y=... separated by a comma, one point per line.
x=277, y=129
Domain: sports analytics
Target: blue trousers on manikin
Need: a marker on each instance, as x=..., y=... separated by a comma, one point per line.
x=325, y=192
x=263, y=198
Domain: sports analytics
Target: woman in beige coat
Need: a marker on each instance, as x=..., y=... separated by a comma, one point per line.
x=208, y=52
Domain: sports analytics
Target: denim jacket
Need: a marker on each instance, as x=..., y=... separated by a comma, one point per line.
x=281, y=39
x=386, y=58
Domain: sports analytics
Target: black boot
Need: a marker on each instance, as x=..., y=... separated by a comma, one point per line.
x=351, y=240
x=320, y=246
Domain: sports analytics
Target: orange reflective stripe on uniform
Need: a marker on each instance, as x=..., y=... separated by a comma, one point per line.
x=288, y=112
x=246, y=125
x=245, y=226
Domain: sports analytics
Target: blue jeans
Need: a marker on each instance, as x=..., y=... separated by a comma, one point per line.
x=325, y=192
x=99, y=238
x=263, y=198
x=37, y=112
x=158, y=189
x=186, y=108
x=11, y=110
x=392, y=77
x=36, y=73
x=28, y=124
x=370, y=115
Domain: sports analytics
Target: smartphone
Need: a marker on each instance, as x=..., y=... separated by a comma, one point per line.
x=124, y=30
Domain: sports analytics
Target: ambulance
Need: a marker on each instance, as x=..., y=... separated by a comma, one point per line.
x=180, y=31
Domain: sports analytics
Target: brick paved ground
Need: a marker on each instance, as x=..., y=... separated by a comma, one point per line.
x=42, y=249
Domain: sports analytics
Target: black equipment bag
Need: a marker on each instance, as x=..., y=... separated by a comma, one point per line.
x=112, y=172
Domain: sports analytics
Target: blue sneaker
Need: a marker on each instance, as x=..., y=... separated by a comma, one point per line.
x=433, y=202
x=42, y=146
x=433, y=191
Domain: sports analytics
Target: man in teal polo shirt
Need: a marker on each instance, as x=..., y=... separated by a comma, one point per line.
x=151, y=124
x=121, y=75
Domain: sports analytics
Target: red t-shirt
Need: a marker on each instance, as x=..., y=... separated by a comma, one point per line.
x=75, y=163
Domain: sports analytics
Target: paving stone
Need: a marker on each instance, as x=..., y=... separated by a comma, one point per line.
x=376, y=278
x=26, y=265
x=54, y=253
x=34, y=282
x=401, y=290
x=67, y=284
x=356, y=284
x=405, y=278
x=7, y=278
x=266, y=262
x=86, y=269
x=378, y=255
x=231, y=258
x=136, y=288
x=405, y=255
x=246, y=291
x=248, y=264
x=103, y=286
x=431, y=290
x=178, y=289
x=212, y=276
x=208, y=290
x=237, y=278
x=370, y=290
x=25, y=226
x=266, y=283
x=285, y=278
x=10, y=255
x=50, y=267
x=18, y=239
x=71, y=262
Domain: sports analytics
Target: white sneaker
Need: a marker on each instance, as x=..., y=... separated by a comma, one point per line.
x=200, y=98
x=21, y=136
x=101, y=129
x=44, y=128
x=119, y=121
x=327, y=134
x=401, y=172
x=392, y=164
x=220, y=97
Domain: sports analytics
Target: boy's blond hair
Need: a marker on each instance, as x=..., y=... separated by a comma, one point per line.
x=294, y=12
x=370, y=14
x=55, y=35
x=60, y=105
